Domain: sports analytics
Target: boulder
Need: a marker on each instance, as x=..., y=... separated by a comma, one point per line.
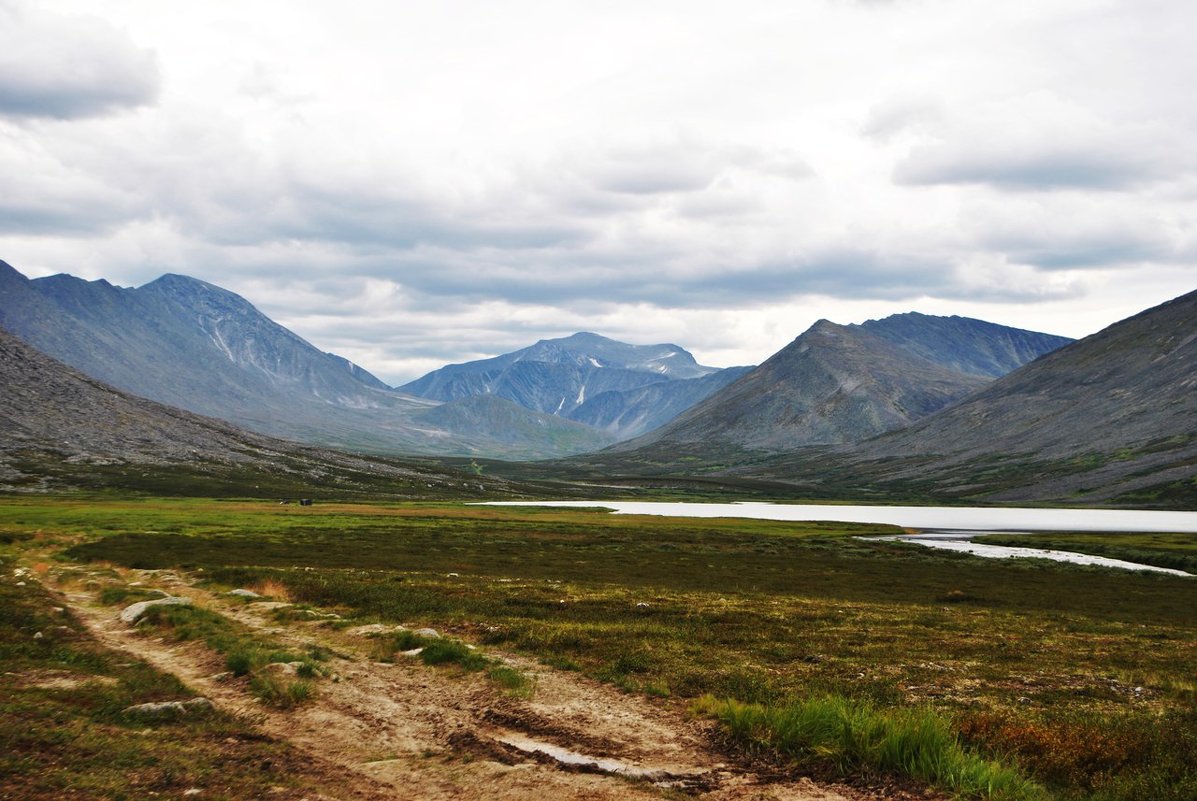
x=157, y=711
x=134, y=612
x=241, y=592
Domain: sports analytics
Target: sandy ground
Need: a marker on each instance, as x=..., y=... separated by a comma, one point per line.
x=409, y=731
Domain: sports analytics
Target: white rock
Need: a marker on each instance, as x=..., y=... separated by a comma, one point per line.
x=134, y=612
x=241, y=592
x=281, y=668
x=432, y=634
x=169, y=710
x=372, y=630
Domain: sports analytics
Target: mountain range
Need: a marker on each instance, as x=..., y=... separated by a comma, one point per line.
x=1111, y=418
x=62, y=429
x=190, y=344
x=837, y=383
x=1114, y=414
x=907, y=406
x=621, y=389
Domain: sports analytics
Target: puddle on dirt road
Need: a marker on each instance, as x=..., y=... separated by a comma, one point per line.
x=614, y=767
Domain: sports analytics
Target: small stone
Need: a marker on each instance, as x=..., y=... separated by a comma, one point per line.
x=38, y=636
x=190, y=791
x=372, y=630
x=241, y=592
x=20, y=584
x=432, y=634
x=280, y=668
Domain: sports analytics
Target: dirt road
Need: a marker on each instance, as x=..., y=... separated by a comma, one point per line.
x=410, y=731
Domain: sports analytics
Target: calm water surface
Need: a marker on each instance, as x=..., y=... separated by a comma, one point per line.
x=949, y=527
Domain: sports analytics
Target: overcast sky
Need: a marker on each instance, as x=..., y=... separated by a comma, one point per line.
x=414, y=183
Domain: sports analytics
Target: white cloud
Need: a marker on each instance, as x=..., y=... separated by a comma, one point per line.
x=407, y=183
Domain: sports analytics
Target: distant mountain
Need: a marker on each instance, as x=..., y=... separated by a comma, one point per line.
x=61, y=429
x=514, y=427
x=190, y=344
x=1113, y=414
x=583, y=377
x=832, y=384
x=963, y=344
x=633, y=412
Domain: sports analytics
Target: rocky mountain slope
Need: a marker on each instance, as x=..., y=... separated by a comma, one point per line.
x=61, y=429
x=832, y=384
x=632, y=412
x=963, y=344
x=587, y=378
x=190, y=344
x=1113, y=413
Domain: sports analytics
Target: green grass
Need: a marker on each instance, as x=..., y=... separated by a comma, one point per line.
x=854, y=737
x=448, y=651
x=63, y=734
x=245, y=652
x=1010, y=653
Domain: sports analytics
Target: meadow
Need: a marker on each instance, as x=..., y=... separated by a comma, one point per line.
x=1080, y=680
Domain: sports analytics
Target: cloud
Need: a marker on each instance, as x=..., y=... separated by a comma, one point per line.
x=45, y=196
x=1039, y=142
x=1041, y=166
x=901, y=113
x=1056, y=232
x=410, y=184
x=69, y=67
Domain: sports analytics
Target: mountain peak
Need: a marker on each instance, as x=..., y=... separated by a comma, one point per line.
x=560, y=376
x=970, y=346
x=184, y=284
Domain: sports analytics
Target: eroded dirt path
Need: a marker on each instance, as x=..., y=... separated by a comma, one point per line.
x=409, y=731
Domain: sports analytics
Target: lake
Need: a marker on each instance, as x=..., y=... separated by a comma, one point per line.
x=949, y=527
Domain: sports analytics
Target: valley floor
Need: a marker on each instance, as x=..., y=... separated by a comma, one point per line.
x=579, y=655
x=387, y=729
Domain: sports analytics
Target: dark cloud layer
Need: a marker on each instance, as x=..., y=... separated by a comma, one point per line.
x=70, y=67
x=1045, y=167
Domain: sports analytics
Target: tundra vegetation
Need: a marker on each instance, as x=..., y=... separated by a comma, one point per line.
x=823, y=652
x=65, y=725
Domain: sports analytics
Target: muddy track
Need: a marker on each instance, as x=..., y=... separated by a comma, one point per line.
x=406, y=730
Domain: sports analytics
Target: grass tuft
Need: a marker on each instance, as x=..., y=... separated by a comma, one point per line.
x=281, y=692
x=856, y=737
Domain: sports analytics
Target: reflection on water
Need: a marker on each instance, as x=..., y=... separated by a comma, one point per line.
x=949, y=527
